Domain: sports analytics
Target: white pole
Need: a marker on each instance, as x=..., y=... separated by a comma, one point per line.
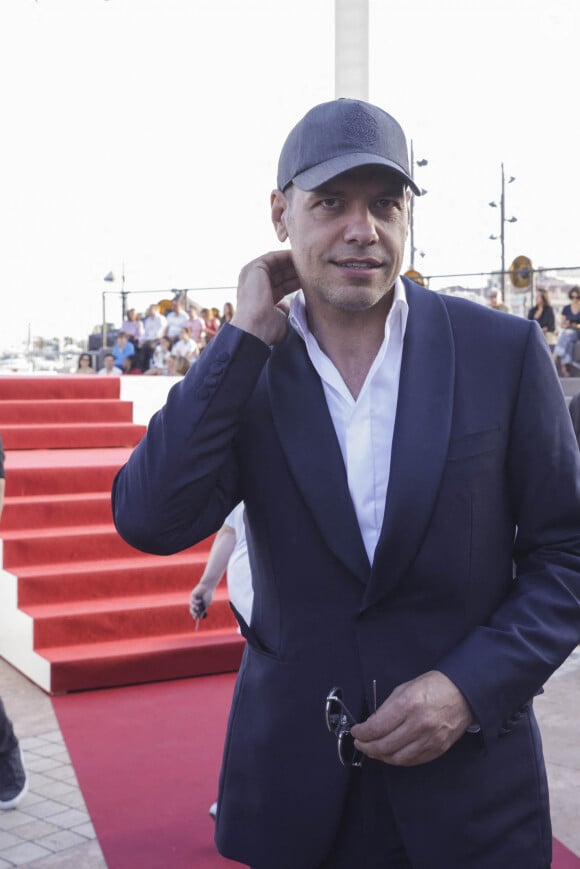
x=351, y=52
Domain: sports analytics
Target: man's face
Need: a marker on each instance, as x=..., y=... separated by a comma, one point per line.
x=347, y=237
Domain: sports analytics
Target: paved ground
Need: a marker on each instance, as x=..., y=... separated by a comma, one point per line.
x=51, y=828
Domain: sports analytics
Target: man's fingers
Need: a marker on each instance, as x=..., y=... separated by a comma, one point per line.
x=418, y=722
x=411, y=754
x=282, y=274
x=411, y=743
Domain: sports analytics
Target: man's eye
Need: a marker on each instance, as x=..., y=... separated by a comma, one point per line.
x=386, y=203
x=331, y=202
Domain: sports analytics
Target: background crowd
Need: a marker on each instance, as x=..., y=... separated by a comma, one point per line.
x=162, y=342
x=168, y=341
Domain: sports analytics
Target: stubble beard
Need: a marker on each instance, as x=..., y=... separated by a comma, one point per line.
x=353, y=299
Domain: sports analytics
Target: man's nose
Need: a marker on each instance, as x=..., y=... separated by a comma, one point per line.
x=360, y=226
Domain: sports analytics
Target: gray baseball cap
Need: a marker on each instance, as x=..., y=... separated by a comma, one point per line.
x=340, y=135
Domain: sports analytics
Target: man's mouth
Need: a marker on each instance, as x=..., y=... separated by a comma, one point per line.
x=358, y=265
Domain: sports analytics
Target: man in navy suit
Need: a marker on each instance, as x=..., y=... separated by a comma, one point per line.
x=411, y=482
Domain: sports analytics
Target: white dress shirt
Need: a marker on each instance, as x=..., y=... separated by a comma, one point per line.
x=364, y=427
x=239, y=574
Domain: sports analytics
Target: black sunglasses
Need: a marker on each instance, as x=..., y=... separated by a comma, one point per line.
x=339, y=720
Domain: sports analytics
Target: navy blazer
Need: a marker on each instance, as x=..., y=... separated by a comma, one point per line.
x=476, y=574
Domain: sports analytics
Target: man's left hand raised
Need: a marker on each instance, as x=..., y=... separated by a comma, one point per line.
x=417, y=723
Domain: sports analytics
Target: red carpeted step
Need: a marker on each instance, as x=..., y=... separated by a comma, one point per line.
x=71, y=435
x=145, y=616
x=90, y=580
x=24, y=412
x=29, y=481
x=102, y=613
x=38, y=511
x=78, y=543
x=51, y=472
x=61, y=386
x=127, y=662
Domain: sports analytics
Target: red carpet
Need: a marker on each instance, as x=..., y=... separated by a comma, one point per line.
x=103, y=614
x=564, y=858
x=147, y=759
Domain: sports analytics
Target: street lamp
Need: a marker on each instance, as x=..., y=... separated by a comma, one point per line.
x=414, y=163
x=110, y=277
x=502, y=222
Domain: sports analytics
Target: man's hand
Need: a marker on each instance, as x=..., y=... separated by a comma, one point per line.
x=417, y=723
x=262, y=285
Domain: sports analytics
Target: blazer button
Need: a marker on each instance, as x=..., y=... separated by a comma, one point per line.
x=203, y=394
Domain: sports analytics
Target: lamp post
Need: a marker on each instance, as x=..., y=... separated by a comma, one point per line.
x=502, y=223
x=414, y=163
x=110, y=277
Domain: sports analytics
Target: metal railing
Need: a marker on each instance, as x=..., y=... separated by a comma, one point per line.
x=478, y=285
x=474, y=285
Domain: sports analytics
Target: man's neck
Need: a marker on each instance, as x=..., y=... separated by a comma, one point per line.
x=351, y=340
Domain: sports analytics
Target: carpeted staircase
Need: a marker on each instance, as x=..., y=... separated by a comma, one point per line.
x=79, y=608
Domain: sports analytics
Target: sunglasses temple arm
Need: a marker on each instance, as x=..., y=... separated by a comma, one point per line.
x=345, y=708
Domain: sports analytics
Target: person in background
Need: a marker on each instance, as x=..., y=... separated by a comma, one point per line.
x=177, y=366
x=154, y=326
x=186, y=346
x=564, y=350
x=176, y=318
x=123, y=352
x=109, y=368
x=13, y=777
x=197, y=326
x=227, y=313
x=229, y=552
x=543, y=313
x=132, y=326
x=413, y=530
x=85, y=364
x=212, y=323
x=496, y=302
x=160, y=359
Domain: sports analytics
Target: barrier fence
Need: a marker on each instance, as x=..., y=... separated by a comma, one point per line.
x=475, y=286
x=520, y=286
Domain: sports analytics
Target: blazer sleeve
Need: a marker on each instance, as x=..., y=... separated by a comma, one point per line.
x=182, y=479
x=499, y=666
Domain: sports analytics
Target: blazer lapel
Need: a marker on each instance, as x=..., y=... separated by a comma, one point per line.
x=421, y=437
x=309, y=441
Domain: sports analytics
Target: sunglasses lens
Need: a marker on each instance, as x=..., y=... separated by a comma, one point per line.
x=334, y=712
x=347, y=753
x=339, y=721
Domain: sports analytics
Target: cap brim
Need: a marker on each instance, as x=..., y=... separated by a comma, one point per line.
x=318, y=175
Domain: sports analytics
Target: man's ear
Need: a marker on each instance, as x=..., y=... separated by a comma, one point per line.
x=279, y=206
